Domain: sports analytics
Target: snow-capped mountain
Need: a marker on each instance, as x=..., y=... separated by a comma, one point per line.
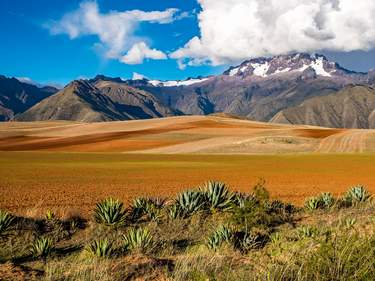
x=257, y=88
x=177, y=83
x=286, y=64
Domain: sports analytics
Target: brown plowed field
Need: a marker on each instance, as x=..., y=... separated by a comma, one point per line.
x=70, y=166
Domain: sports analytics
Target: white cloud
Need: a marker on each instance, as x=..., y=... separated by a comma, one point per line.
x=138, y=76
x=114, y=29
x=139, y=52
x=233, y=30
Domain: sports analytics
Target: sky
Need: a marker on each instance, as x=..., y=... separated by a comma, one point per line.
x=58, y=41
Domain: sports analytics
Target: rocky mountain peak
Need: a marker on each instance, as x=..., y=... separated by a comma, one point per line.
x=286, y=64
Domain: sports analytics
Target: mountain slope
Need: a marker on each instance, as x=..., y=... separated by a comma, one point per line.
x=16, y=96
x=257, y=88
x=352, y=107
x=96, y=101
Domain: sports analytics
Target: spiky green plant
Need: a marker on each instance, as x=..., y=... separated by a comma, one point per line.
x=101, y=248
x=6, y=220
x=357, y=194
x=189, y=202
x=326, y=200
x=217, y=196
x=41, y=247
x=312, y=203
x=307, y=231
x=140, y=240
x=241, y=199
x=174, y=211
x=50, y=216
x=248, y=241
x=147, y=206
x=219, y=236
x=110, y=212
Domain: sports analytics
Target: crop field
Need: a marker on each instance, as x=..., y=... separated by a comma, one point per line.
x=32, y=182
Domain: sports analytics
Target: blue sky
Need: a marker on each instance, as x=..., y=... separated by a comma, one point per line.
x=31, y=46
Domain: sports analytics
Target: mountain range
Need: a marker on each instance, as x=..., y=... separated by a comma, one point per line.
x=295, y=89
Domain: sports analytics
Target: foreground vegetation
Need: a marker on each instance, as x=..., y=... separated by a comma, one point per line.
x=204, y=233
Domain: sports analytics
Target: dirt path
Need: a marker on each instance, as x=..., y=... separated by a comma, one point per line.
x=348, y=141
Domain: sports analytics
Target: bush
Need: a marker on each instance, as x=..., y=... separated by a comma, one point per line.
x=110, y=212
x=217, y=196
x=219, y=236
x=346, y=257
x=260, y=191
x=41, y=247
x=101, y=248
x=6, y=220
x=139, y=240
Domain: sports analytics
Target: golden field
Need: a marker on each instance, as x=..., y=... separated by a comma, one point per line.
x=68, y=166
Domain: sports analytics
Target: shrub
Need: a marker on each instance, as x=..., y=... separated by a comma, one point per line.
x=41, y=247
x=6, y=220
x=220, y=235
x=110, y=212
x=139, y=240
x=189, y=202
x=357, y=194
x=101, y=248
x=260, y=191
x=346, y=257
x=217, y=196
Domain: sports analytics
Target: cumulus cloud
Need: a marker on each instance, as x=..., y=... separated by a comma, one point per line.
x=233, y=30
x=139, y=52
x=114, y=29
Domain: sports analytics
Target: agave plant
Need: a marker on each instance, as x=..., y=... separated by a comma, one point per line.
x=50, y=216
x=307, y=232
x=241, y=199
x=357, y=194
x=247, y=241
x=6, y=220
x=110, y=212
x=139, y=240
x=218, y=196
x=147, y=206
x=174, y=211
x=220, y=235
x=41, y=247
x=312, y=203
x=101, y=248
x=326, y=200
x=189, y=202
